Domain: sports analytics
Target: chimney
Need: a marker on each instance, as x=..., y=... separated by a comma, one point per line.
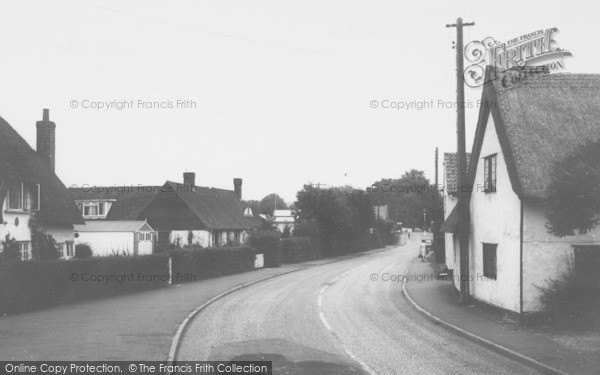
x=189, y=178
x=237, y=187
x=46, y=135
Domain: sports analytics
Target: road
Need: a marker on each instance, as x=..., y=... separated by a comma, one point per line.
x=339, y=318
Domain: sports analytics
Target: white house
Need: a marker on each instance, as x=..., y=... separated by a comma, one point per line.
x=117, y=237
x=29, y=189
x=527, y=127
x=283, y=219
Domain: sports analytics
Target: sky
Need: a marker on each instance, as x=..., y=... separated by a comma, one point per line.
x=278, y=93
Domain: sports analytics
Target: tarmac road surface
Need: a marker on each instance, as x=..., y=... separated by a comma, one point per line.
x=339, y=318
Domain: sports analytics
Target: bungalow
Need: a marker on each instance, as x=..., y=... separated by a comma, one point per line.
x=30, y=191
x=525, y=128
x=180, y=213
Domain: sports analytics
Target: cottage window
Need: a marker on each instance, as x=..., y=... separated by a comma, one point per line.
x=24, y=250
x=489, y=173
x=61, y=249
x=15, y=196
x=148, y=236
x=24, y=196
x=69, y=249
x=489, y=260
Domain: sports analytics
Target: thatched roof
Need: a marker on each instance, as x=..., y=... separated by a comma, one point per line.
x=216, y=208
x=20, y=163
x=539, y=121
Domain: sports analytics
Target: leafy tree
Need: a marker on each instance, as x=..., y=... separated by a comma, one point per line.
x=287, y=233
x=269, y=202
x=407, y=197
x=574, y=192
x=340, y=214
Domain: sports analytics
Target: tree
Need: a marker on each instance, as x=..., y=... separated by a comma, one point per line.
x=407, y=197
x=341, y=216
x=574, y=192
x=269, y=202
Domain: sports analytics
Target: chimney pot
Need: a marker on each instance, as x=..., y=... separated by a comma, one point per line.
x=46, y=116
x=237, y=187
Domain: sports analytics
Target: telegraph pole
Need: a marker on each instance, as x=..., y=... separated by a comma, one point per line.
x=463, y=209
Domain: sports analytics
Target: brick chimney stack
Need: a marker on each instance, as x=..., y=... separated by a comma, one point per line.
x=46, y=139
x=189, y=178
x=237, y=187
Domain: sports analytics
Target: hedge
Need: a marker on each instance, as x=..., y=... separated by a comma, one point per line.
x=31, y=285
x=298, y=249
x=193, y=264
x=267, y=243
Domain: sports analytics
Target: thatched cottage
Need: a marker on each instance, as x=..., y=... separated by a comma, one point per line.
x=30, y=188
x=527, y=126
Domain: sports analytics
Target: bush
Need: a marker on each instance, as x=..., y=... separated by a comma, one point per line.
x=10, y=249
x=298, y=249
x=31, y=285
x=573, y=298
x=197, y=263
x=83, y=251
x=267, y=243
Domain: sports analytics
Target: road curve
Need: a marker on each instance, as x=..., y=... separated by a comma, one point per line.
x=338, y=318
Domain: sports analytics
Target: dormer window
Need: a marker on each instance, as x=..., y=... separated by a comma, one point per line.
x=248, y=212
x=23, y=196
x=94, y=209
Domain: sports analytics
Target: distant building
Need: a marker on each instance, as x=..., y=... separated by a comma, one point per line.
x=450, y=195
x=282, y=219
x=180, y=213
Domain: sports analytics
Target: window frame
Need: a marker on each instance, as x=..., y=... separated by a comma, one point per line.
x=24, y=248
x=490, y=164
x=490, y=250
x=97, y=206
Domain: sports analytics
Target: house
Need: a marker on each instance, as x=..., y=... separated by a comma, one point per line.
x=450, y=195
x=526, y=127
x=31, y=194
x=117, y=237
x=180, y=213
x=283, y=219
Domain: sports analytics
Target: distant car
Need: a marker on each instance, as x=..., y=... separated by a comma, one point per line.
x=418, y=230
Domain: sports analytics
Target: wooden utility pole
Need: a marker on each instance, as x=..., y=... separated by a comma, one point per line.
x=463, y=192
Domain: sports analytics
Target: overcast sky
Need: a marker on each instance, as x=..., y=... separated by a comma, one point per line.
x=283, y=90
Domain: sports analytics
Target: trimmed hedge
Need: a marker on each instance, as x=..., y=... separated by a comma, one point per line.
x=267, y=243
x=31, y=285
x=196, y=263
x=298, y=249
